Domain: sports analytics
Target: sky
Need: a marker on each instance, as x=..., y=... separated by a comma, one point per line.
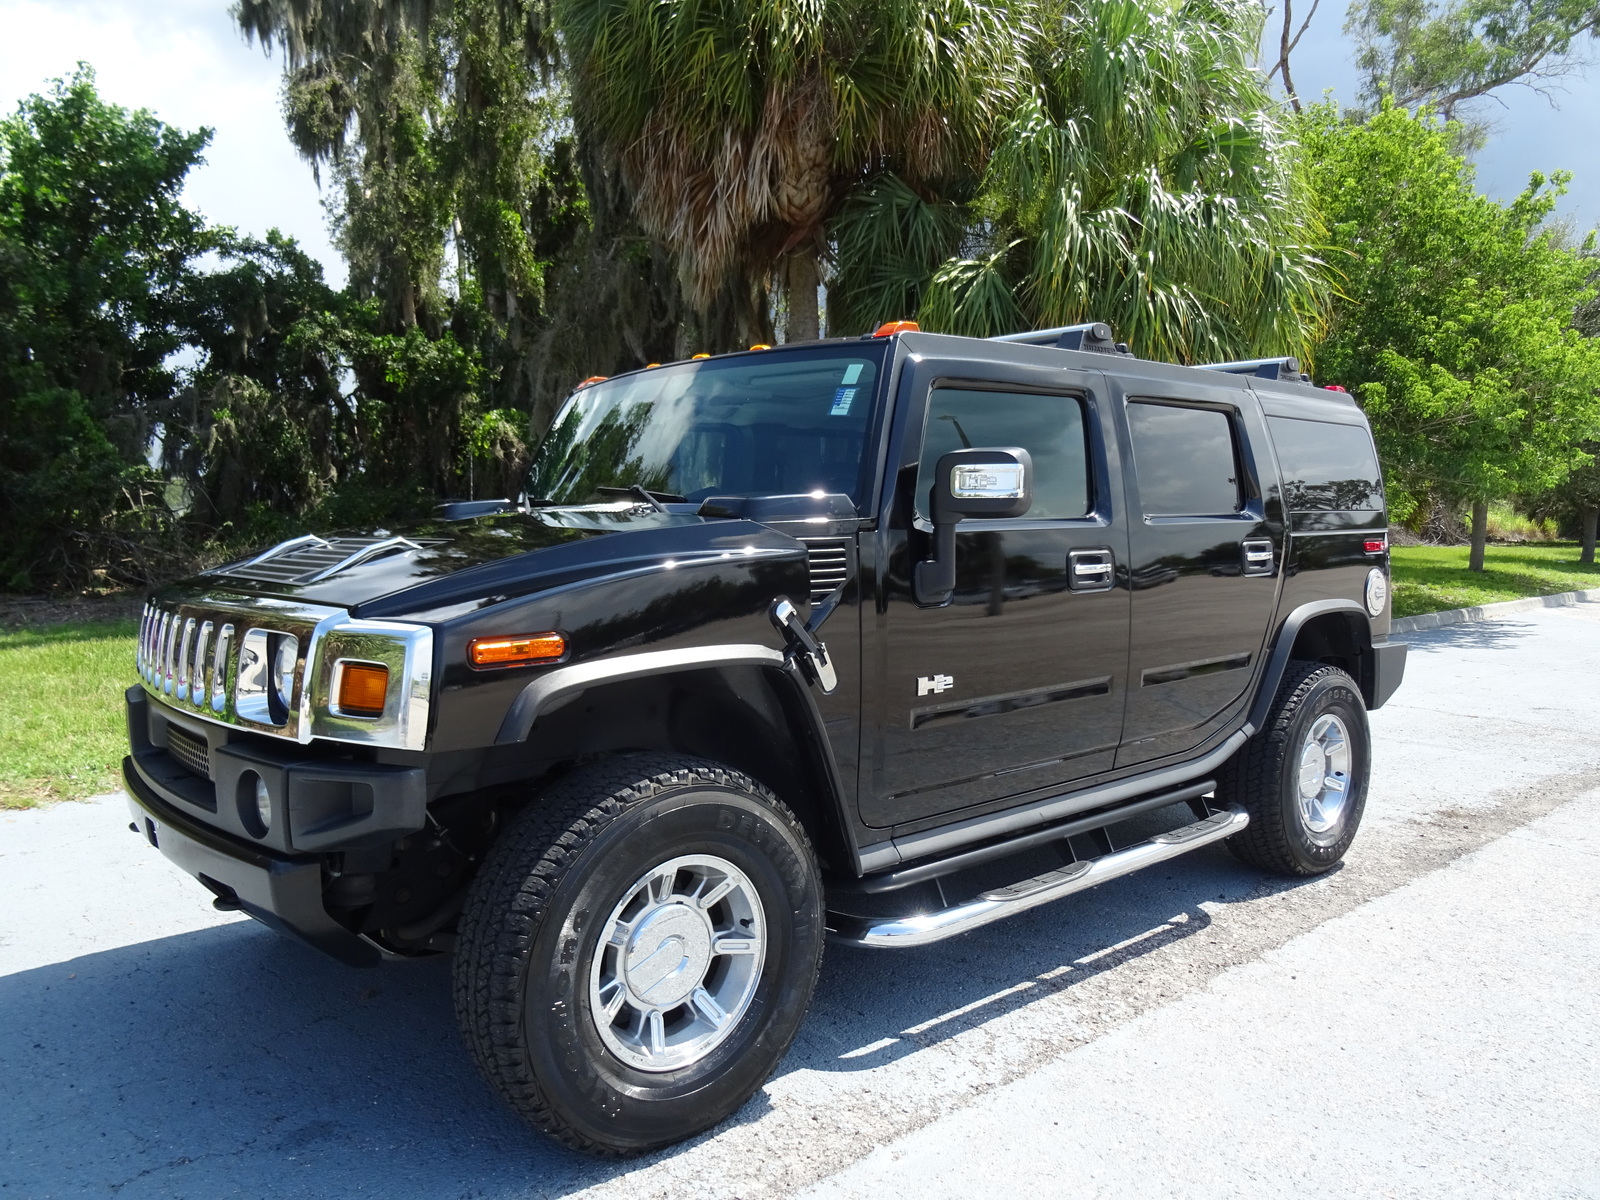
x=185, y=60
x=1528, y=134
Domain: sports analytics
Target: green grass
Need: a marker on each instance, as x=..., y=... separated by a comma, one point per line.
x=62, y=730
x=1433, y=578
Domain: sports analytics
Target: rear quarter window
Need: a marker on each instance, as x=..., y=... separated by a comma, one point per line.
x=1327, y=467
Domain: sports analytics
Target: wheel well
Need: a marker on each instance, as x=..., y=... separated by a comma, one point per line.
x=751, y=718
x=1341, y=639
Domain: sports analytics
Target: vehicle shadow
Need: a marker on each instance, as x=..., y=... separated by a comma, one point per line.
x=232, y=1061
x=1479, y=635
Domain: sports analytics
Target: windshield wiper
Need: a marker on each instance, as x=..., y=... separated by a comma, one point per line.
x=639, y=492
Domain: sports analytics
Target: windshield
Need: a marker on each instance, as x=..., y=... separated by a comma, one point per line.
x=769, y=424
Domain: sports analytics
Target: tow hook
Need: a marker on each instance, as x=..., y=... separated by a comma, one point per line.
x=804, y=649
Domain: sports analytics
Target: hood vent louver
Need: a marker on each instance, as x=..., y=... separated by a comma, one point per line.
x=311, y=559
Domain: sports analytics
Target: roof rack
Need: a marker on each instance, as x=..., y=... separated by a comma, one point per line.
x=1287, y=367
x=1092, y=335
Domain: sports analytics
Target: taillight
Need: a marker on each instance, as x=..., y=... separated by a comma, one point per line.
x=1376, y=545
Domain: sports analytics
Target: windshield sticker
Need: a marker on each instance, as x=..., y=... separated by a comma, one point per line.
x=852, y=373
x=841, y=401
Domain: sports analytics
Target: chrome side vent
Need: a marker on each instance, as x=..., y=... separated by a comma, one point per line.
x=830, y=566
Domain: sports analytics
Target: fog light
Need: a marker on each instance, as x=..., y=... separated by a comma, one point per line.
x=255, y=804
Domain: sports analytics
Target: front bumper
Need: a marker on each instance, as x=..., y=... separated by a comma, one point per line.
x=319, y=802
x=278, y=890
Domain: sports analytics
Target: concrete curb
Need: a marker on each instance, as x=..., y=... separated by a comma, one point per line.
x=1489, y=612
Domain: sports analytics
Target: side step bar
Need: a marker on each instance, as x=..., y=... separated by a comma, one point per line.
x=1041, y=889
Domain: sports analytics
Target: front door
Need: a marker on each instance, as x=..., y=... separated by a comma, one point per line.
x=1018, y=683
x=1204, y=561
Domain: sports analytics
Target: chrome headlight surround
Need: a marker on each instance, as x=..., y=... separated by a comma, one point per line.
x=407, y=650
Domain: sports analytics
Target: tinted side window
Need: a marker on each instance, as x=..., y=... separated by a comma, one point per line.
x=1050, y=428
x=1184, y=460
x=1327, y=467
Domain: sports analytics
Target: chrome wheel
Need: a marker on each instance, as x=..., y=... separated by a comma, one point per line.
x=681, y=956
x=1324, y=780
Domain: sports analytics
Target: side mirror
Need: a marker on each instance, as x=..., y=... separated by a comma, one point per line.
x=985, y=482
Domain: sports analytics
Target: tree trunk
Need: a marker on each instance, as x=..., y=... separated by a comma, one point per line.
x=1480, y=534
x=1284, y=47
x=1591, y=518
x=800, y=296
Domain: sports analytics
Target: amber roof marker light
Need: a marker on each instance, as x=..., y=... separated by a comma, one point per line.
x=524, y=649
x=890, y=328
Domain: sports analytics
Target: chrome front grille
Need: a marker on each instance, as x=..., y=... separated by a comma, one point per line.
x=190, y=751
x=830, y=566
x=267, y=665
x=189, y=655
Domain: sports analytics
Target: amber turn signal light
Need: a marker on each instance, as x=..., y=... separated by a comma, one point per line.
x=363, y=689
x=516, y=651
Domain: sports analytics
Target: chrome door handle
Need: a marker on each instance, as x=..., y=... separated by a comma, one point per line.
x=1257, y=556
x=1091, y=570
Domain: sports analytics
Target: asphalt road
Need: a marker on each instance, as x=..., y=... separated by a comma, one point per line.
x=1420, y=1022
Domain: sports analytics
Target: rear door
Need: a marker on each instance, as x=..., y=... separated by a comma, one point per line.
x=1204, y=559
x=1017, y=684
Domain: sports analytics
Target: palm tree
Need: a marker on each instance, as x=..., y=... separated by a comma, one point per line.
x=1146, y=180
x=741, y=127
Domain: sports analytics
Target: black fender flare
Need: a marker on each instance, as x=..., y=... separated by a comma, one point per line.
x=562, y=685
x=1283, y=647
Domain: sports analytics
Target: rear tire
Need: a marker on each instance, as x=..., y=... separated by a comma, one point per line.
x=639, y=951
x=1303, y=778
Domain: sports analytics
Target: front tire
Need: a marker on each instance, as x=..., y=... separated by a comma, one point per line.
x=639, y=951
x=1302, y=779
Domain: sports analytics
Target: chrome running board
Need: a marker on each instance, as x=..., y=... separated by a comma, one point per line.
x=924, y=928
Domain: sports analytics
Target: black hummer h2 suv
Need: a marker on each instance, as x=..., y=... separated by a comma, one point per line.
x=878, y=639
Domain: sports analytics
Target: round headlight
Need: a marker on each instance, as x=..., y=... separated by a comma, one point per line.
x=1377, y=591
x=263, y=804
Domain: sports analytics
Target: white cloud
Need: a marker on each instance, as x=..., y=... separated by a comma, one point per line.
x=185, y=62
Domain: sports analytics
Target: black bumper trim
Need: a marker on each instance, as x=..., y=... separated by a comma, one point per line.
x=284, y=893
x=1388, y=669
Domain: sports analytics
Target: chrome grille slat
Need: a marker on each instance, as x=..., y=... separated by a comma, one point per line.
x=829, y=562
x=180, y=687
x=219, y=669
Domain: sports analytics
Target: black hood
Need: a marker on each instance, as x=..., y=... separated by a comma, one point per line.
x=441, y=563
